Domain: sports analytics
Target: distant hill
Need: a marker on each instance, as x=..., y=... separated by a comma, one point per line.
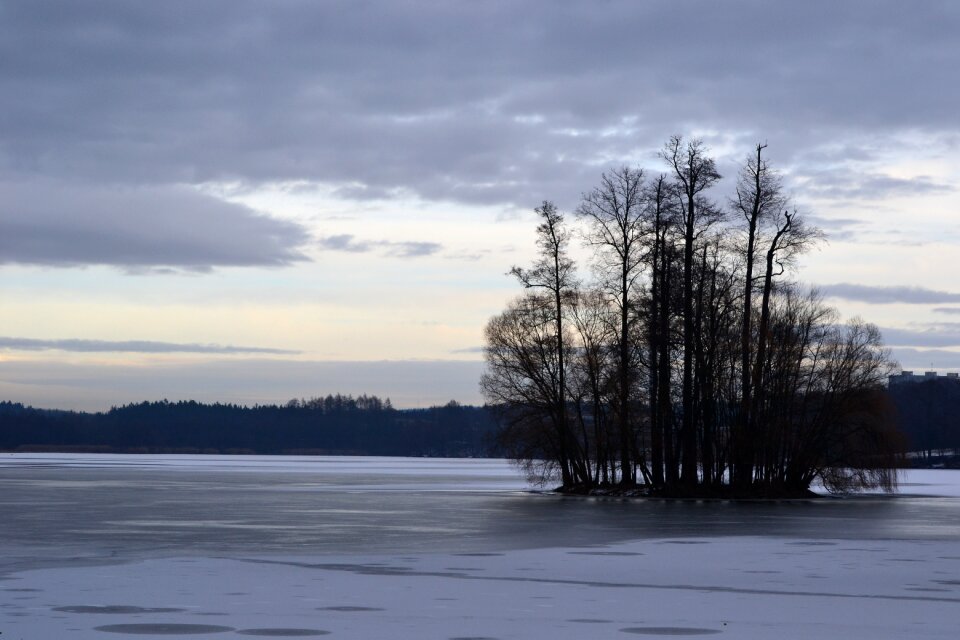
x=334, y=425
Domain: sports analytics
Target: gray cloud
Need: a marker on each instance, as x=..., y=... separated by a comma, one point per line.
x=396, y=249
x=129, y=346
x=139, y=228
x=412, y=249
x=493, y=102
x=846, y=183
x=887, y=295
x=344, y=242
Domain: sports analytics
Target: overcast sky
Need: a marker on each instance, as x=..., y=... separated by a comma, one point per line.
x=252, y=201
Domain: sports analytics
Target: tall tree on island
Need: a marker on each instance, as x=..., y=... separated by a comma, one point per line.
x=553, y=274
x=615, y=215
x=693, y=172
x=759, y=196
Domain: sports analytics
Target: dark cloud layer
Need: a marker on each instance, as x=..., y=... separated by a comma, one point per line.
x=495, y=102
x=887, y=295
x=128, y=346
x=135, y=227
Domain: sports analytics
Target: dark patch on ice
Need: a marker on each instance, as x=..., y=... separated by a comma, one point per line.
x=606, y=553
x=210, y=613
x=906, y=560
x=950, y=582
x=589, y=620
x=685, y=542
x=812, y=543
x=934, y=589
x=116, y=608
x=670, y=631
x=478, y=555
x=24, y=590
x=762, y=571
x=462, y=569
x=164, y=629
x=287, y=633
x=349, y=608
x=447, y=599
x=362, y=570
x=948, y=557
x=237, y=593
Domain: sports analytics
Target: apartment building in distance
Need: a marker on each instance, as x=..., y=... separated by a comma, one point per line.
x=909, y=376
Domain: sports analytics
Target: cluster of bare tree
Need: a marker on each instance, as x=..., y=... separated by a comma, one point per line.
x=689, y=363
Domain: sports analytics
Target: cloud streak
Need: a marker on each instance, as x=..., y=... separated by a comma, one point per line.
x=130, y=346
x=396, y=249
x=887, y=295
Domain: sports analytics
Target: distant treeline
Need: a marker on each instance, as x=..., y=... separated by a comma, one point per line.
x=334, y=425
x=928, y=414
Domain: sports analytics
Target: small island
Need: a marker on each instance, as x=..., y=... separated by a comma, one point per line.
x=690, y=364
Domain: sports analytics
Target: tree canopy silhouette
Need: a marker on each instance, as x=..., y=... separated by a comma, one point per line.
x=691, y=363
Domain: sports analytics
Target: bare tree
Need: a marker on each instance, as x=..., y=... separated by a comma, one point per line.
x=594, y=362
x=615, y=216
x=759, y=196
x=693, y=172
x=525, y=360
x=661, y=221
x=554, y=273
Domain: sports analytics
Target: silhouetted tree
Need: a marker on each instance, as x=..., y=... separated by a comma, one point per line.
x=750, y=384
x=615, y=215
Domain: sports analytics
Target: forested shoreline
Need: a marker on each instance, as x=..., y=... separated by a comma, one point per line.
x=331, y=425
x=684, y=358
x=341, y=425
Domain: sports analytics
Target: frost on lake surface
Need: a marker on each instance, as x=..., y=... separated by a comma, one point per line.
x=192, y=546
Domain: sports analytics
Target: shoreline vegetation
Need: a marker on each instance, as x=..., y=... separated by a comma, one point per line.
x=331, y=425
x=925, y=414
x=689, y=363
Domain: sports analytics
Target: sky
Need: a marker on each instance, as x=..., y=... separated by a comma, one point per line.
x=255, y=201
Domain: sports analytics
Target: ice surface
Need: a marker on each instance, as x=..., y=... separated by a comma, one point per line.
x=161, y=546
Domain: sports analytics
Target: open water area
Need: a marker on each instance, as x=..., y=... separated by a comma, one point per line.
x=450, y=548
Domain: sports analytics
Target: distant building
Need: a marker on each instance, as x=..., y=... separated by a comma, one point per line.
x=910, y=376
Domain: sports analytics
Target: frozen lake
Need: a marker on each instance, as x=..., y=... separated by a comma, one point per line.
x=94, y=545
